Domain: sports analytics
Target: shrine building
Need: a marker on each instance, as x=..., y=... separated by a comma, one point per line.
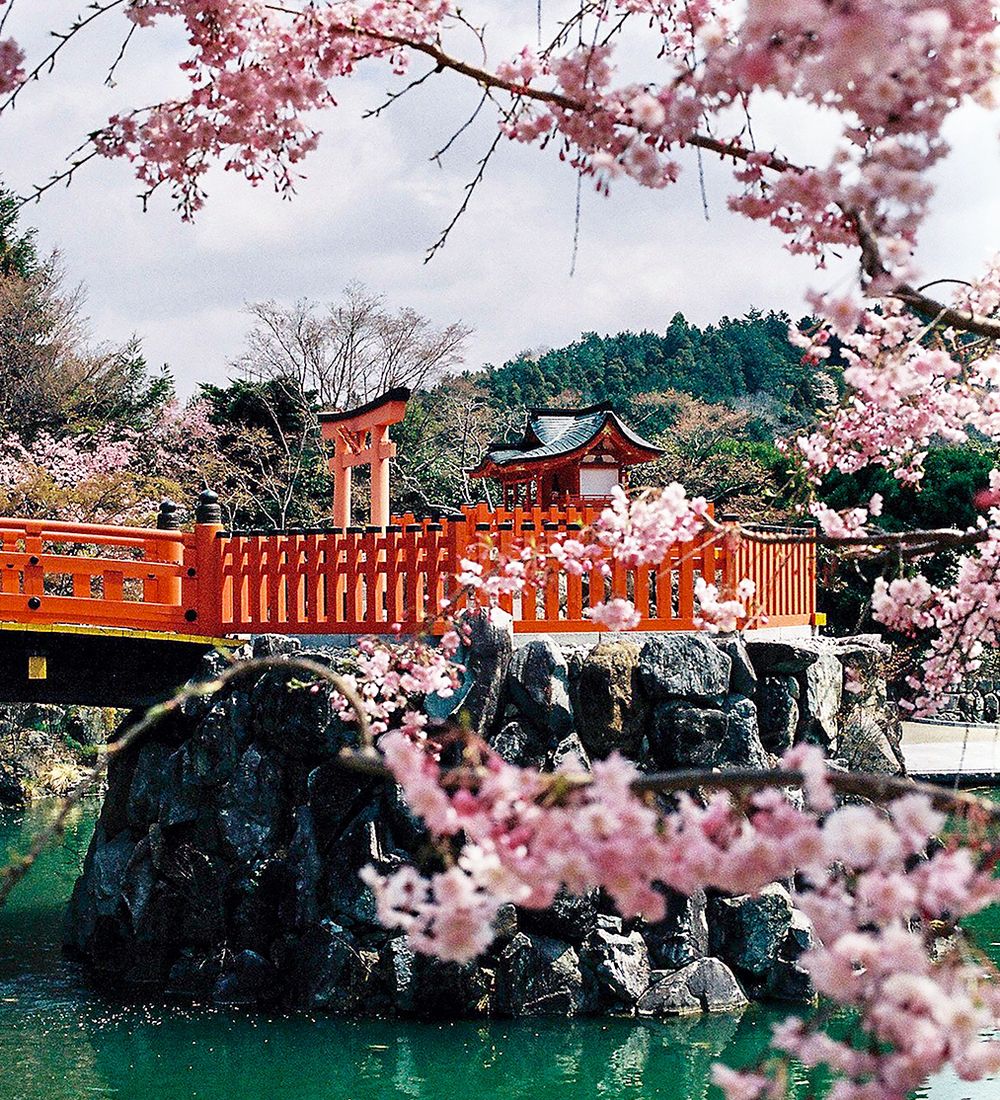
x=566, y=455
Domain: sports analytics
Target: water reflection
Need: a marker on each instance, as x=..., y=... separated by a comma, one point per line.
x=60, y=1041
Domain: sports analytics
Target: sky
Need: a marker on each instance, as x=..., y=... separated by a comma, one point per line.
x=372, y=202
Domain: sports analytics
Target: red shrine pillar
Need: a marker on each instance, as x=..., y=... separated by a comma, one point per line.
x=360, y=437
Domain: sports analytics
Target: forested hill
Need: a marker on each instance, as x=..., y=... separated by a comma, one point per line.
x=738, y=362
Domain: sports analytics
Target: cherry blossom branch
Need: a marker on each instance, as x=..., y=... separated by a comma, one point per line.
x=874, y=786
x=872, y=264
x=915, y=297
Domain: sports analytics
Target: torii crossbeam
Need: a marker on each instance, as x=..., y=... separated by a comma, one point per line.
x=361, y=438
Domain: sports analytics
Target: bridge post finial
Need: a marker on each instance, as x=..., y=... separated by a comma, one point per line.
x=208, y=509
x=168, y=517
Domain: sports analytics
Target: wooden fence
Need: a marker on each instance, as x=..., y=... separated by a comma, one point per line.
x=213, y=582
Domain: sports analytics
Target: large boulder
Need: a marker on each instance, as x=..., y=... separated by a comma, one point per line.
x=820, y=701
x=520, y=743
x=684, y=665
x=247, y=978
x=870, y=741
x=487, y=660
x=748, y=932
x=778, y=707
x=742, y=747
x=539, y=976
x=538, y=685
x=869, y=730
x=707, y=985
x=683, y=734
x=609, y=708
x=682, y=935
x=571, y=917
x=444, y=990
x=97, y=893
x=620, y=965
x=743, y=678
x=568, y=755
x=788, y=980
x=327, y=970
x=248, y=807
x=289, y=717
x=783, y=658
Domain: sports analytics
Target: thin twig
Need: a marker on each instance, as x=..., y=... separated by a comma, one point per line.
x=875, y=786
x=436, y=157
x=109, y=80
x=63, y=39
x=470, y=189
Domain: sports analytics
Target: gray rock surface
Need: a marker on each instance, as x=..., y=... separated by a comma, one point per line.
x=706, y=985
x=487, y=661
x=684, y=734
x=743, y=678
x=225, y=862
x=749, y=932
x=685, y=665
x=520, y=743
x=682, y=935
x=620, y=965
x=821, y=700
x=785, y=658
x=778, y=704
x=610, y=709
x=539, y=976
x=538, y=683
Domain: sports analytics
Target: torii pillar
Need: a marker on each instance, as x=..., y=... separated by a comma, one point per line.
x=360, y=437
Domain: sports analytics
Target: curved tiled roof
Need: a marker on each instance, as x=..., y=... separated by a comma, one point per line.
x=554, y=432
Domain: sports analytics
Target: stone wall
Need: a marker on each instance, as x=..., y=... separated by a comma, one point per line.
x=973, y=701
x=224, y=865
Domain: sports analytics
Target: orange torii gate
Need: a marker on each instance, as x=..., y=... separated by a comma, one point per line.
x=360, y=437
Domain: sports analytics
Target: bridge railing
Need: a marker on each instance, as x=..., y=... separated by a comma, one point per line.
x=89, y=574
x=783, y=570
x=367, y=580
x=374, y=580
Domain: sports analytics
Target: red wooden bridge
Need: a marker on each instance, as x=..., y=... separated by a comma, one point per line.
x=151, y=600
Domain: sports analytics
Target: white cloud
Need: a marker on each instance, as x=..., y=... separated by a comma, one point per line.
x=372, y=203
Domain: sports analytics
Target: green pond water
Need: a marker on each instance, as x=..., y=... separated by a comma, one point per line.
x=60, y=1040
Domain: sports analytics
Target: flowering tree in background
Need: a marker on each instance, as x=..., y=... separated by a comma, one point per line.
x=115, y=474
x=920, y=369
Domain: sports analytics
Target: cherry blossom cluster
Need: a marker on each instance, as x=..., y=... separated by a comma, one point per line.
x=388, y=677
x=641, y=531
x=719, y=615
x=884, y=912
x=905, y=390
x=848, y=522
x=256, y=71
x=64, y=460
x=11, y=65
x=110, y=476
x=637, y=532
x=893, y=71
x=963, y=617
